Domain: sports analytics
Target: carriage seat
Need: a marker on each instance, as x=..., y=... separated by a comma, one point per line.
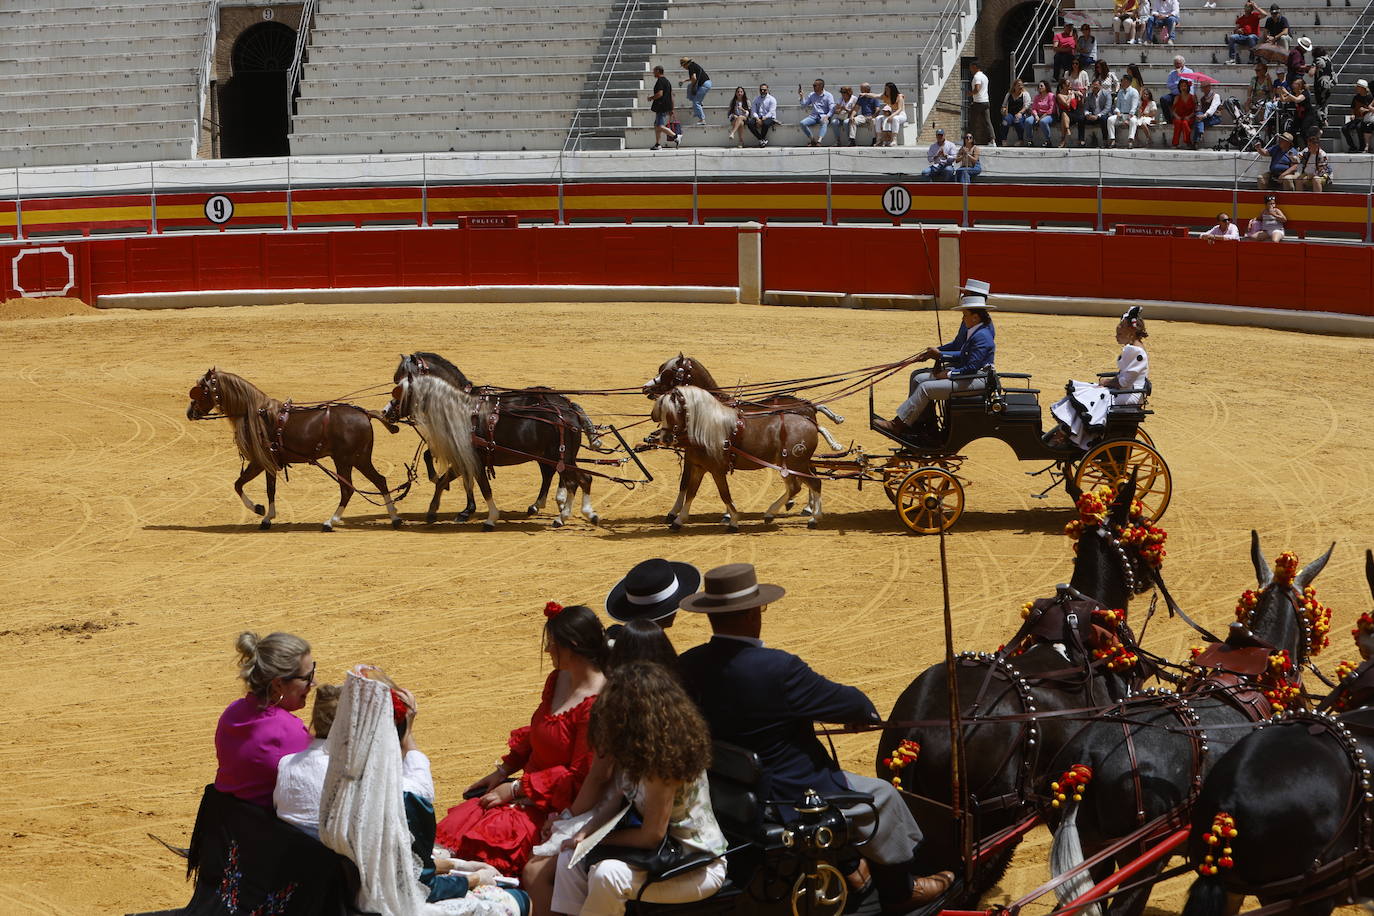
x=1016, y=403
x=1128, y=413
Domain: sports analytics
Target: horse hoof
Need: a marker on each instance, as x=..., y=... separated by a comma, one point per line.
x=265, y=525
x=488, y=526
x=725, y=520
x=532, y=510
x=594, y=519
x=558, y=523
x=259, y=510
x=790, y=504
x=326, y=527
x=397, y=522
x=431, y=518
x=462, y=517
x=768, y=519
x=814, y=523
x=668, y=519
x=806, y=510
x=675, y=525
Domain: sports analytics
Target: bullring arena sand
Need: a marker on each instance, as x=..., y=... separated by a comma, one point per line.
x=129, y=565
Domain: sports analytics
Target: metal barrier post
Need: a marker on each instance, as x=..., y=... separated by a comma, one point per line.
x=1099, y=190
x=694, y=188
x=562, y=219
x=1368, y=208
x=829, y=178
x=18, y=207
x=152, y=190
x=424, y=190
x=1235, y=187
x=920, y=92
x=290, y=221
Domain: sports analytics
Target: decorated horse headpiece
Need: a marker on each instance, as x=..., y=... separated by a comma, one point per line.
x=675, y=373
x=205, y=394
x=1135, y=540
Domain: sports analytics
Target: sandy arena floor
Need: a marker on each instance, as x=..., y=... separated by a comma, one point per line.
x=129, y=565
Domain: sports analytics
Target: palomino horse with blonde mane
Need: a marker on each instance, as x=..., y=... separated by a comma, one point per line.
x=718, y=438
x=272, y=435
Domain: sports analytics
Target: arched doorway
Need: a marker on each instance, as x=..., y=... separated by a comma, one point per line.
x=1010, y=32
x=252, y=104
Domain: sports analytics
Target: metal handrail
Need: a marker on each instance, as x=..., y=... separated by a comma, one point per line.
x=1338, y=67
x=609, y=64
x=1045, y=14
x=930, y=59
x=207, y=59
x=293, y=75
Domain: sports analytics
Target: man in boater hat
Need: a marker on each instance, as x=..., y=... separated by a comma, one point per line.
x=652, y=591
x=974, y=347
x=767, y=700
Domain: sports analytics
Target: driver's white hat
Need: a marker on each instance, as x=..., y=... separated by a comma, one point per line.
x=975, y=295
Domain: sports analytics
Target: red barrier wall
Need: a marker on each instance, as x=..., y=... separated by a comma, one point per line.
x=852, y=259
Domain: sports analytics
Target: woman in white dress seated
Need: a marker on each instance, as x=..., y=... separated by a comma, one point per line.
x=1082, y=415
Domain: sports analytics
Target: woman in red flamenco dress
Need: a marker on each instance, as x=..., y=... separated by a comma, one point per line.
x=502, y=818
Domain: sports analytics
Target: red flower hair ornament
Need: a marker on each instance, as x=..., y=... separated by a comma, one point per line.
x=399, y=708
x=552, y=609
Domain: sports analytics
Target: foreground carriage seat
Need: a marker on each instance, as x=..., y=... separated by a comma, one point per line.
x=1015, y=403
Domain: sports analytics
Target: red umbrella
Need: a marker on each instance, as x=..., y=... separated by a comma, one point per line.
x=1195, y=77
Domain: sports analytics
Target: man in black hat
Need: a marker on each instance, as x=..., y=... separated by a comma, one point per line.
x=767, y=700
x=652, y=591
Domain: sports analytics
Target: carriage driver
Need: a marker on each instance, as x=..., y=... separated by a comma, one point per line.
x=974, y=347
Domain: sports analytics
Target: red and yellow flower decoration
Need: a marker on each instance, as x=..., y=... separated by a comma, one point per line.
x=1219, y=840
x=1278, y=688
x=1093, y=507
x=903, y=754
x=1071, y=784
x=1286, y=568
x=1318, y=618
x=552, y=609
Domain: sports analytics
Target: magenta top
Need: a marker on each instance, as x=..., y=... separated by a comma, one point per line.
x=249, y=741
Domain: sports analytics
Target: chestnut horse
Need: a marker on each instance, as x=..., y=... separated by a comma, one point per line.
x=272, y=435
x=717, y=438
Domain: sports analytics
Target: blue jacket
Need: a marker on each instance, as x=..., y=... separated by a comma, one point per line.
x=970, y=351
x=766, y=700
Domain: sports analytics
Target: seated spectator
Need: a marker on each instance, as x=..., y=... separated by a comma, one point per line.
x=1145, y=119
x=1208, y=112
x=698, y=84
x=1128, y=20
x=845, y=108
x=1260, y=90
x=763, y=115
x=501, y=819
x=1124, y=108
x=891, y=115
x=1066, y=105
x=1276, y=34
x=300, y=776
x=1097, y=108
x=1280, y=154
x=1224, y=229
x=1016, y=114
x=1184, y=108
x=258, y=729
x=1163, y=21
x=1065, y=50
x=1297, y=114
x=661, y=746
x=1103, y=74
x=1268, y=225
x=1357, y=130
x=1137, y=78
x=1312, y=169
x=1246, y=34
x=819, y=105
x=941, y=158
x=1042, y=112
x=1086, y=47
x=866, y=112
x=1166, y=103
x=648, y=590
x=642, y=640
x=966, y=162
x=738, y=115
x=1079, y=78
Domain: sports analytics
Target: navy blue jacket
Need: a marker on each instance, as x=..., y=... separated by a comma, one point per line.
x=766, y=700
x=970, y=351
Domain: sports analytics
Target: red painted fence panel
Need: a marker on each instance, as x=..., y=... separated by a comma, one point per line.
x=851, y=259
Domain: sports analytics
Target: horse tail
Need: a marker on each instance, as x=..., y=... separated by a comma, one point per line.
x=377, y=415
x=1207, y=897
x=1066, y=854
x=822, y=409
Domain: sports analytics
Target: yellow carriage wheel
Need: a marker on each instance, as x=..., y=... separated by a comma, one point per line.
x=893, y=475
x=915, y=508
x=1112, y=463
x=1145, y=437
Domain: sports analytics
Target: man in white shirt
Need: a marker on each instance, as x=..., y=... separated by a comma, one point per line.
x=763, y=115
x=1224, y=229
x=979, y=119
x=1163, y=14
x=941, y=157
x=1208, y=112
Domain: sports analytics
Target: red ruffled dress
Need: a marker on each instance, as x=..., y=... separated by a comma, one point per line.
x=554, y=754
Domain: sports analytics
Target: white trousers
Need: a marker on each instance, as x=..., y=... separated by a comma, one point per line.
x=893, y=123
x=604, y=889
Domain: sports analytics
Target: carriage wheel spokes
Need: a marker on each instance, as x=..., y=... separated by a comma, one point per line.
x=912, y=507
x=1112, y=463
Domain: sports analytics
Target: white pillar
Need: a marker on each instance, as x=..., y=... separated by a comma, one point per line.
x=751, y=264
x=950, y=277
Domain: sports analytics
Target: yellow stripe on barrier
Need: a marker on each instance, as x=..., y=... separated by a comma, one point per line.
x=491, y=204
x=1032, y=204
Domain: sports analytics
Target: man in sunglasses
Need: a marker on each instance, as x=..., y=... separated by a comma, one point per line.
x=1224, y=229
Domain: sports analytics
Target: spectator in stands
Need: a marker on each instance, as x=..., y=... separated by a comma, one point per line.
x=661, y=104
x=1066, y=107
x=819, y=105
x=1280, y=154
x=966, y=164
x=698, y=84
x=1016, y=114
x=1163, y=19
x=1295, y=104
x=1137, y=79
x=1145, y=119
x=1208, y=112
x=1065, y=49
x=891, y=115
x=1247, y=33
x=1042, y=112
x=941, y=158
x=1297, y=58
x=738, y=115
x=1311, y=171
x=865, y=113
x=845, y=107
x=1166, y=104
x=1104, y=74
x=1128, y=20
x=1185, y=109
x=763, y=115
x=1124, y=108
x=1224, y=229
x=979, y=120
x=1261, y=88
x=1079, y=79
x=1361, y=124
x=258, y=729
x=1097, y=108
x=1086, y=47
x=1268, y=225
x=1276, y=29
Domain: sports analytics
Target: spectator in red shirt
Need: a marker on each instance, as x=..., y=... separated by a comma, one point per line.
x=1246, y=33
x=1185, y=107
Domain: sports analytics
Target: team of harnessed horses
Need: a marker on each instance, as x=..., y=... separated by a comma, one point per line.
x=1263, y=786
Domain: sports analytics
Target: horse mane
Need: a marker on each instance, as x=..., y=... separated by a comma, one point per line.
x=241, y=401
x=444, y=413
x=710, y=424
x=701, y=377
x=441, y=366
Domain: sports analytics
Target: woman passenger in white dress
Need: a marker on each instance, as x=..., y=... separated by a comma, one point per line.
x=1082, y=414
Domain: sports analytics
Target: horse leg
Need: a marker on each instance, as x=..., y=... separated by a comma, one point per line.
x=731, y=519
x=692, y=477
x=493, y=514
x=271, y=502
x=345, y=472
x=471, y=504
x=440, y=485
x=790, y=488
x=814, y=503
x=681, y=494
x=253, y=470
x=378, y=481
x=587, y=511
x=1132, y=903
x=567, y=492
x=545, y=478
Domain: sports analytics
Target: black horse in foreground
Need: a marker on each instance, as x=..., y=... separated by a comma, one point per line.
x=1149, y=754
x=1300, y=796
x=1006, y=759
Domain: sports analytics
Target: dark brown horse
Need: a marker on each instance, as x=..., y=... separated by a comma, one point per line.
x=717, y=438
x=473, y=430
x=271, y=435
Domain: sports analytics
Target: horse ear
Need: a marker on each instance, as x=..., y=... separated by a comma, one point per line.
x=1121, y=505
x=1313, y=569
x=1369, y=569
x=1263, y=574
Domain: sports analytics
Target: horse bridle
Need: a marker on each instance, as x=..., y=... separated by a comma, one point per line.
x=208, y=385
